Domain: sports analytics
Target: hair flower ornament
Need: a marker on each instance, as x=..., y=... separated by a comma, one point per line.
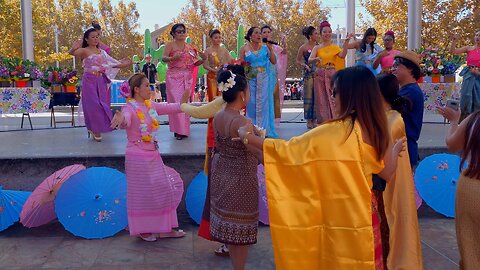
x=125, y=89
x=224, y=86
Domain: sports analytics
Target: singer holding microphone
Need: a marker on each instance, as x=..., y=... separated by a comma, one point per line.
x=259, y=60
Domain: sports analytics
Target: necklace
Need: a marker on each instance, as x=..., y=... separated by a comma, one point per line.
x=147, y=136
x=255, y=51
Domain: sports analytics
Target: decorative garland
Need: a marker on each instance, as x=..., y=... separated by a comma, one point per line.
x=147, y=136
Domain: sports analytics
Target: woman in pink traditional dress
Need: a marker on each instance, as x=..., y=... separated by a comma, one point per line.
x=154, y=190
x=182, y=58
x=282, y=57
x=101, y=45
x=99, y=69
x=385, y=57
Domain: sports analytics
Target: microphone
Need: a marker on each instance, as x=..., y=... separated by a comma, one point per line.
x=265, y=40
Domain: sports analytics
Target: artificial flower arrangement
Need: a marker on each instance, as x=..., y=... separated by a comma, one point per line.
x=70, y=78
x=431, y=62
x=53, y=76
x=451, y=63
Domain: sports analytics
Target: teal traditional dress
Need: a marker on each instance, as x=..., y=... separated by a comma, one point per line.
x=261, y=76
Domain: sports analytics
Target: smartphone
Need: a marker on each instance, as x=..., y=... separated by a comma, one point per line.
x=453, y=104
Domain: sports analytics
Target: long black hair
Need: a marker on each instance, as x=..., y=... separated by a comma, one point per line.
x=369, y=32
x=86, y=35
x=360, y=97
x=389, y=87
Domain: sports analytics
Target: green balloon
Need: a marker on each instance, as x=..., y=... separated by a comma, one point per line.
x=135, y=58
x=233, y=55
x=161, y=71
x=202, y=71
x=240, y=38
x=147, y=44
x=188, y=40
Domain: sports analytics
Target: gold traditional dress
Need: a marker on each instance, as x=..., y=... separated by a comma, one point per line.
x=320, y=200
x=331, y=63
x=400, y=209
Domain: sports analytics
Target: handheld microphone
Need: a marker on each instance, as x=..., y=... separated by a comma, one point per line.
x=265, y=40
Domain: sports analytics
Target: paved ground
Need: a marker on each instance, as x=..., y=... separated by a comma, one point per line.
x=51, y=247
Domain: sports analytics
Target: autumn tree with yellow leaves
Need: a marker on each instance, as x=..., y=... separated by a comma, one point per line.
x=72, y=18
x=439, y=19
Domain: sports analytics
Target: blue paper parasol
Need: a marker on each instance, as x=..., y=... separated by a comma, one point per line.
x=436, y=180
x=11, y=203
x=195, y=198
x=92, y=203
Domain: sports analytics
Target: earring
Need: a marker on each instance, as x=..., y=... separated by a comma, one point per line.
x=243, y=99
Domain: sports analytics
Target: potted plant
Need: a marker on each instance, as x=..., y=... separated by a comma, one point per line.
x=431, y=63
x=451, y=63
x=70, y=81
x=53, y=78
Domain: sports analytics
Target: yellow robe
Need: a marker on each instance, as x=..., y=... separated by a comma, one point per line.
x=400, y=209
x=319, y=198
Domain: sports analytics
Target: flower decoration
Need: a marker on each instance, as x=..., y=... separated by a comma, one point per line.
x=147, y=131
x=224, y=86
x=125, y=90
x=435, y=61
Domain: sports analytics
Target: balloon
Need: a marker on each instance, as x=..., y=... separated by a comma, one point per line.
x=147, y=44
x=188, y=40
x=135, y=59
x=233, y=55
x=161, y=71
x=201, y=71
x=240, y=38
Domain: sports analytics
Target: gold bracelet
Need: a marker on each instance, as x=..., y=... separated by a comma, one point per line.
x=245, y=139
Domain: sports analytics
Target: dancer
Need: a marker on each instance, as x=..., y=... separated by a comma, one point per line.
x=99, y=69
x=181, y=58
x=234, y=184
x=463, y=138
x=470, y=93
x=101, y=45
x=281, y=71
x=403, y=246
x=302, y=198
x=367, y=50
x=154, y=190
x=328, y=58
x=303, y=54
x=258, y=59
x=406, y=67
x=385, y=57
x=216, y=57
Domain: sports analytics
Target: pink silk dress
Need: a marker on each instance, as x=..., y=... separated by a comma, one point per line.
x=98, y=71
x=153, y=189
x=281, y=78
x=179, y=78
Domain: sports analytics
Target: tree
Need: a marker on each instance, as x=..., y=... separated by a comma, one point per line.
x=439, y=18
x=72, y=18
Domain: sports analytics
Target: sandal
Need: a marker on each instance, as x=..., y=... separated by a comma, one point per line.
x=172, y=234
x=150, y=238
x=222, y=251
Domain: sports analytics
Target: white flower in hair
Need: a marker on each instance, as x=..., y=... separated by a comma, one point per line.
x=223, y=87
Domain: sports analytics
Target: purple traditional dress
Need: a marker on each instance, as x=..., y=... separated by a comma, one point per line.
x=179, y=79
x=98, y=71
x=153, y=189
